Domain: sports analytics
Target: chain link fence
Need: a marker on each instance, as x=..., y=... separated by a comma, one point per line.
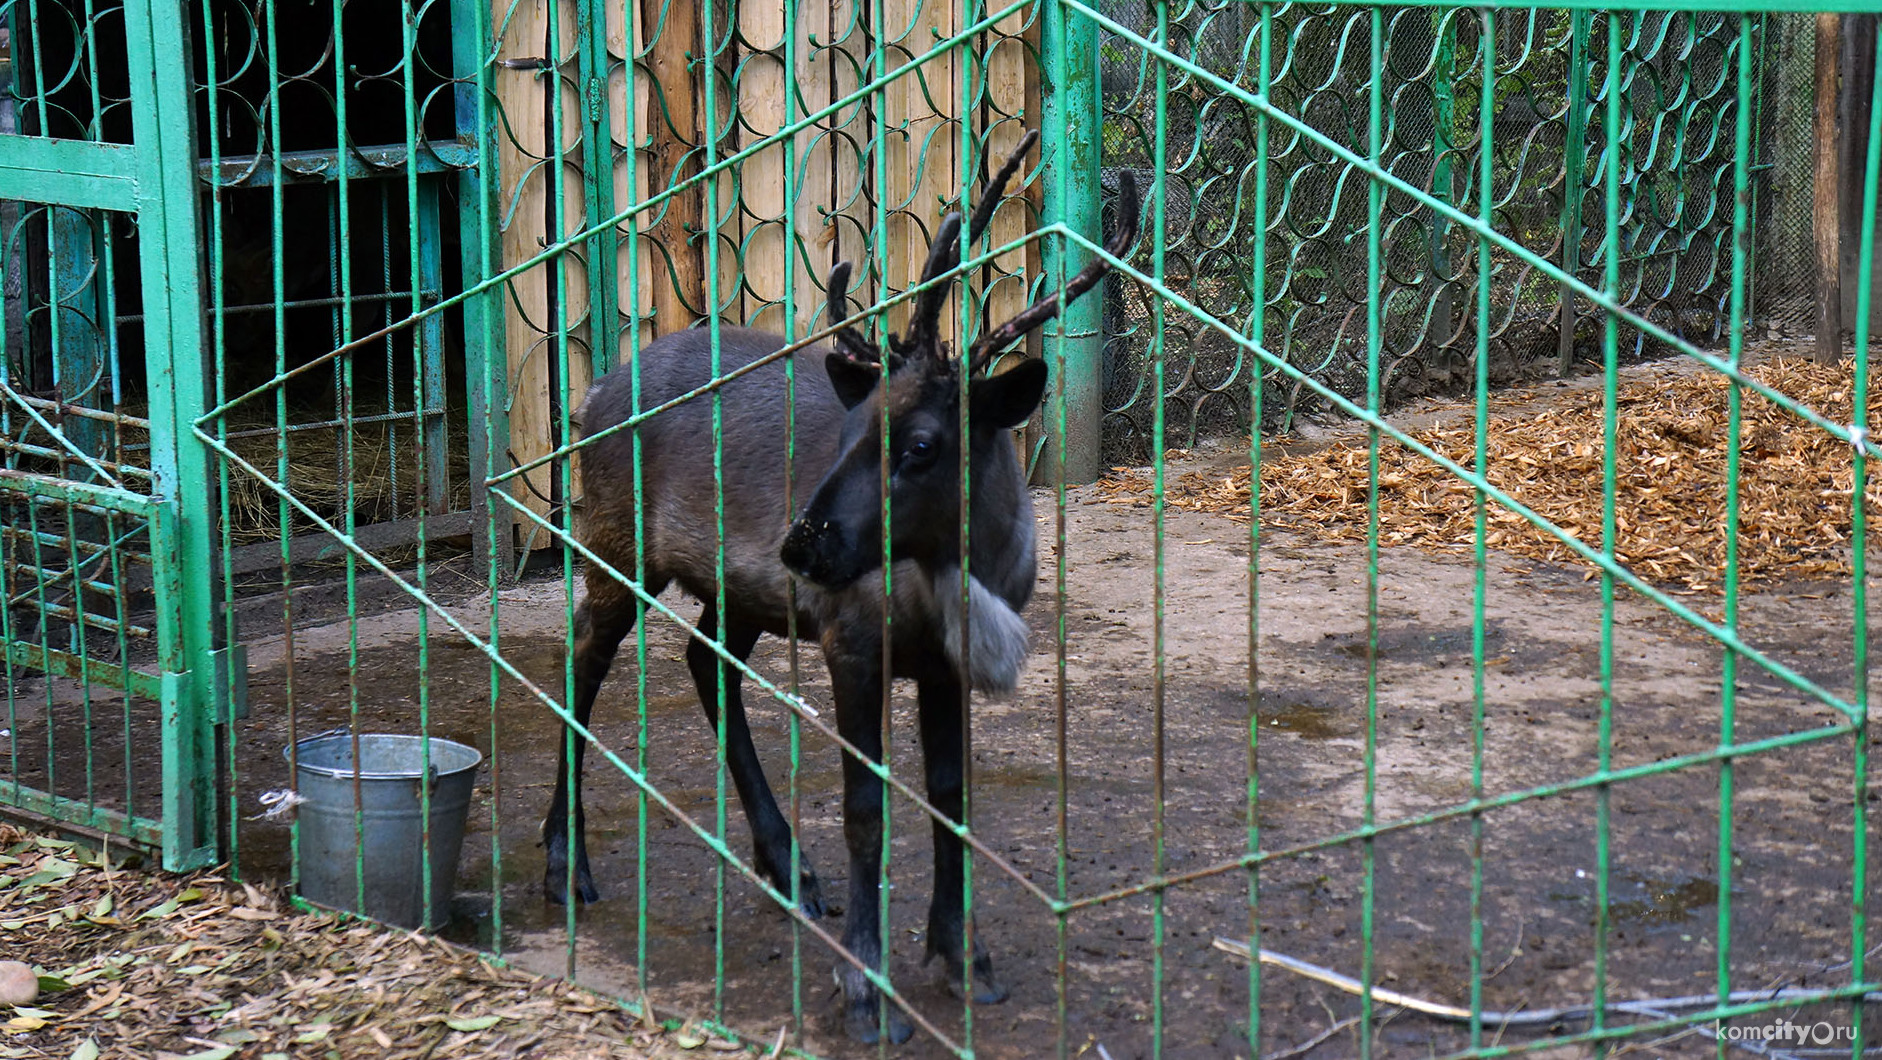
x=1676, y=173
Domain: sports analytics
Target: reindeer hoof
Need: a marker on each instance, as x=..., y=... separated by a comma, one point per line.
x=809, y=891
x=863, y=1026
x=810, y=896
x=988, y=990
x=555, y=878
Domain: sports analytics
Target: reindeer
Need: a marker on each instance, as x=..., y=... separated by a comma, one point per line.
x=830, y=546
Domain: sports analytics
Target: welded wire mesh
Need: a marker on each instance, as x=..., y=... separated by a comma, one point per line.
x=1678, y=86
x=1786, y=281
x=431, y=229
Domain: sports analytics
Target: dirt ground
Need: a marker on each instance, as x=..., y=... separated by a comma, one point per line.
x=1128, y=965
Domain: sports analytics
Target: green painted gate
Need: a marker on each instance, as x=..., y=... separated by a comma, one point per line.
x=107, y=523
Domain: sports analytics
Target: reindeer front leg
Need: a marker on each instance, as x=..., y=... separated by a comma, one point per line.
x=943, y=747
x=854, y=656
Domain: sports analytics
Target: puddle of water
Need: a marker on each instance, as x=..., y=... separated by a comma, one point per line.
x=1648, y=901
x=1309, y=721
x=1661, y=902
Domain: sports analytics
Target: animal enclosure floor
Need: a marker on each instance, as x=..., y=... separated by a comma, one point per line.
x=1790, y=884
x=1790, y=888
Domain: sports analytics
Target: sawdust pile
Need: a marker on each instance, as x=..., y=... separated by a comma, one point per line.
x=1795, y=481
x=159, y=967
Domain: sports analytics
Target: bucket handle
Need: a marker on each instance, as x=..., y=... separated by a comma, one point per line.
x=323, y=735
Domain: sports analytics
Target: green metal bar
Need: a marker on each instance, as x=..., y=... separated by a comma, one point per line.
x=66, y=664
x=794, y=683
x=1072, y=117
x=389, y=345
x=219, y=351
x=72, y=492
x=344, y=396
x=428, y=420
x=878, y=160
x=1728, y=678
x=1574, y=156
x=1055, y=269
x=1159, y=355
x=145, y=832
x=283, y=510
x=714, y=303
x=967, y=77
x=78, y=364
x=1858, y=573
x=1480, y=555
x=483, y=322
x=559, y=476
x=427, y=387
x=1443, y=158
x=630, y=12
x=1615, y=142
x=92, y=175
x=162, y=127
x=1257, y=336
x=1375, y=210
x=331, y=165
x=604, y=280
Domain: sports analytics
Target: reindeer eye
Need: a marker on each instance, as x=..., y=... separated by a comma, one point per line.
x=918, y=453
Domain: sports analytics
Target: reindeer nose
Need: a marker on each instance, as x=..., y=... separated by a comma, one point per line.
x=800, y=552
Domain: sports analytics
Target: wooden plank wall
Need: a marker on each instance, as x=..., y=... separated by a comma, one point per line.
x=764, y=237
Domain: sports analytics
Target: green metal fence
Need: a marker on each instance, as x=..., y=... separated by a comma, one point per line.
x=1680, y=90
x=322, y=473
x=106, y=625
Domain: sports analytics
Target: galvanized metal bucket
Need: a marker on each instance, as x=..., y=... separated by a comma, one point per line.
x=386, y=849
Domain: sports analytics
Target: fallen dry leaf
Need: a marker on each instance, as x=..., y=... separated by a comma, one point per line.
x=1795, y=481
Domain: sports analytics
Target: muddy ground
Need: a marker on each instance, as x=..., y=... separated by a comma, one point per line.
x=1790, y=884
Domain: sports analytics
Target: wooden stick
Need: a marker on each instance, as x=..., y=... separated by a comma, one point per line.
x=1827, y=225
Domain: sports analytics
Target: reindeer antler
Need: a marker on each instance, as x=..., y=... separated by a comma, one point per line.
x=847, y=338
x=1046, y=308
x=945, y=252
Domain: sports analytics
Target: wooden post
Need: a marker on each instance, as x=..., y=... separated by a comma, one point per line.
x=1856, y=92
x=679, y=288
x=767, y=229
x=634, y=271
x=522, y=89
x=1827, y=186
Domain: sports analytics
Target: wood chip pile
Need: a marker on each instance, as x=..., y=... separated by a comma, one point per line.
x=159, y=967
x=1795, y=481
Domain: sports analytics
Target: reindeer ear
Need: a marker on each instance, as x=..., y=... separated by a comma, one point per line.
x=1007, y=399
x=851, y=379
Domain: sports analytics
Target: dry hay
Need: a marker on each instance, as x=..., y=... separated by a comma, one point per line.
x=1795, y=480
x=158, y=966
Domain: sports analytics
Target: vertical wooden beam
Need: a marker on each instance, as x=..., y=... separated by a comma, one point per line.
x=634, y=267
x=1827, y=228
x=568, y=379
x=1009, y=69
x=850, y=209
x=1857, y=89
x=922, y=143
x=817, y=83
x=721, y=79
x=521, y=90
x=765, y=224
x=673, y=126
